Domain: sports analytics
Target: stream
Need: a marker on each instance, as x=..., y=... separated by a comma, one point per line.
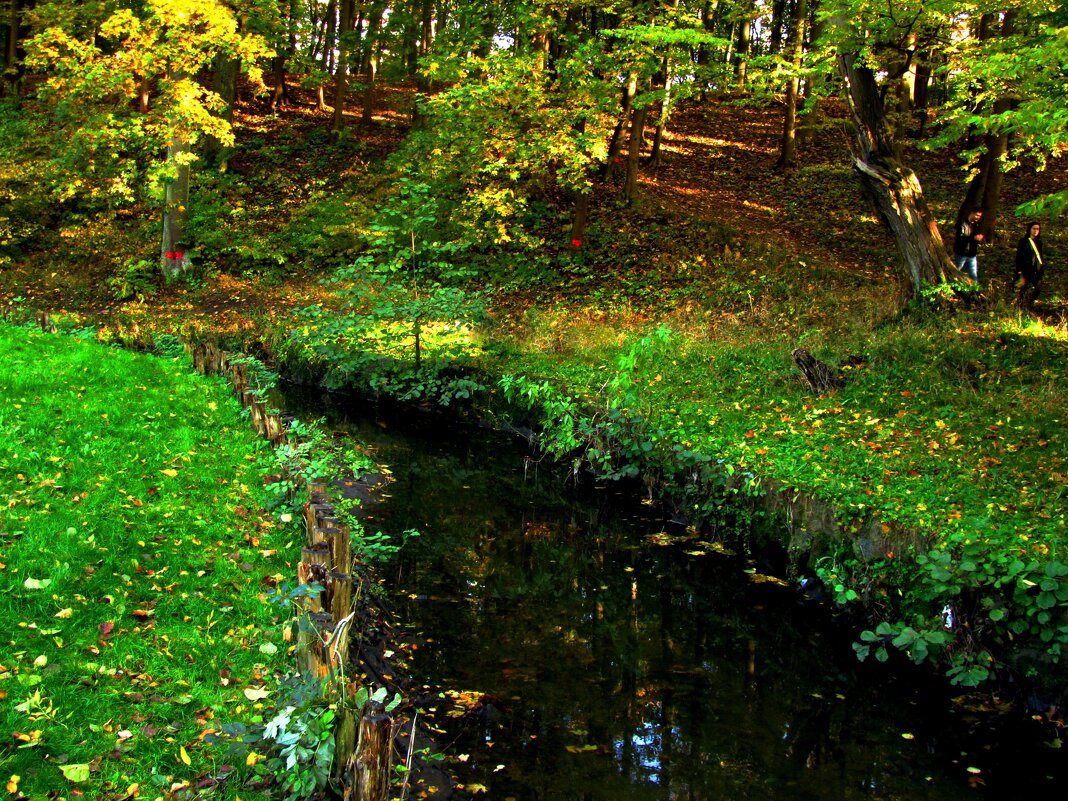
x=569, y=648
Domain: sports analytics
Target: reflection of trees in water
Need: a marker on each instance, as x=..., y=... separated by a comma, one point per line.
x=618, y=670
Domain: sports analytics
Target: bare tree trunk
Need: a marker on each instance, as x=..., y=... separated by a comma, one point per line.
x=778, y=12
x=662, y=118
x=582, y=214
x=280, y=94
x=341, y=73
x=368, y=62
x=745, y=47
x=795, y=50
x=893, y=187
x=12, y=62
x=637, y=131
x=615, y=144
x=330, y=37
x=174, y=255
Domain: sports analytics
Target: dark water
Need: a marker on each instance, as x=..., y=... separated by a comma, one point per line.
x=590, y=661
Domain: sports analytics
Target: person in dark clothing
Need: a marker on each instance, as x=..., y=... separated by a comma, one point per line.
x=1030, y=264
x=966, y=245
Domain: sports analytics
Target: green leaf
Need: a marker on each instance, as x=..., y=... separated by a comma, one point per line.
x=75, y=773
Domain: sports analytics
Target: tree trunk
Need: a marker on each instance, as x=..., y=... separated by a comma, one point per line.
x=582, y=214
x=778, y=14
x=637, y=131
x=615, y=144
x=795, y=49
x=893, y=187
x=662, y=118
x=745, y=47
x=280, y=94
x=984, y=190
x=368, y=63
x=341, y=73
x=12, y=62
x=174, y=255
x=330, y=36
x=224, y=83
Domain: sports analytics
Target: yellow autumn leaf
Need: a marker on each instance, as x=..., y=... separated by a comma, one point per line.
x=184, y=755
x=170, y=472
x=64, y=613
x=13, y=783
x=253, y=758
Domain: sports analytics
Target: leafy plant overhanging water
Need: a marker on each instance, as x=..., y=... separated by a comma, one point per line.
x=569, y=647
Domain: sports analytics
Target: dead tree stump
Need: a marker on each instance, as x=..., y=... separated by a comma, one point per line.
x=821, y=377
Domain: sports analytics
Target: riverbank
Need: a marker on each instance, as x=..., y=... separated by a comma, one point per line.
x=662, y=347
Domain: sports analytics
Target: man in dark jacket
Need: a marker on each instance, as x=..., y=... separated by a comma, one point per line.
x=966, y=245
x=1030, y=264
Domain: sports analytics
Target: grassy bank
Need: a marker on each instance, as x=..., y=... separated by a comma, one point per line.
x=134, y=557
x=661, y=347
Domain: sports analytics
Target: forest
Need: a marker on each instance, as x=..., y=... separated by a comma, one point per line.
x=714, y=252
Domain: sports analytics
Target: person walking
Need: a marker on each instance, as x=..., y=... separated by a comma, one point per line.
x=1030, y=264
x=966, y=245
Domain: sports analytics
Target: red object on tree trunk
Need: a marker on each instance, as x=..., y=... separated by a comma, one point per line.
x=576, y=243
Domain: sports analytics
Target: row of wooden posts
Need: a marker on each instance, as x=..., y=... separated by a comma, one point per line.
x=364, y=737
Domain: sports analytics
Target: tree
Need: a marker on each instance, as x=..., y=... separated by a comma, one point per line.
x=795, y=49
x=1007, y=98
x=11, y=23
x=97, y=66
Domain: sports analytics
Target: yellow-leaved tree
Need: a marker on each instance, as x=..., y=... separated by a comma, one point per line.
x=122, y=83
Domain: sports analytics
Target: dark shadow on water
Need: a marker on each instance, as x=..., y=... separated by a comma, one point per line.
x=565, y=654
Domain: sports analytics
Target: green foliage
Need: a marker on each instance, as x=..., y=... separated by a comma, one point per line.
x=27, y=212
x=1012, y=85
x=295, y=747
x=973, y=607
x=518, y=133
x=404, y=330
x=244, y=236
x=137, y=281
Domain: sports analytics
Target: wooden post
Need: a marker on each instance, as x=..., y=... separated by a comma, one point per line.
x=368, y=769
x=340, y=585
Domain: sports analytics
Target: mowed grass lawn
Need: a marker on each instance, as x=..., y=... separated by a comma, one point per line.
x=135, y=562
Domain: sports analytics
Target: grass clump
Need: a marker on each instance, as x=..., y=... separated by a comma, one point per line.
x=133, y=555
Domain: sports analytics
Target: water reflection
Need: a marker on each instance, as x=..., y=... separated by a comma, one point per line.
x=579, y=661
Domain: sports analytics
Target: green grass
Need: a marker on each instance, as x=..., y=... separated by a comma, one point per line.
x=949, y=434
x=133, y=558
